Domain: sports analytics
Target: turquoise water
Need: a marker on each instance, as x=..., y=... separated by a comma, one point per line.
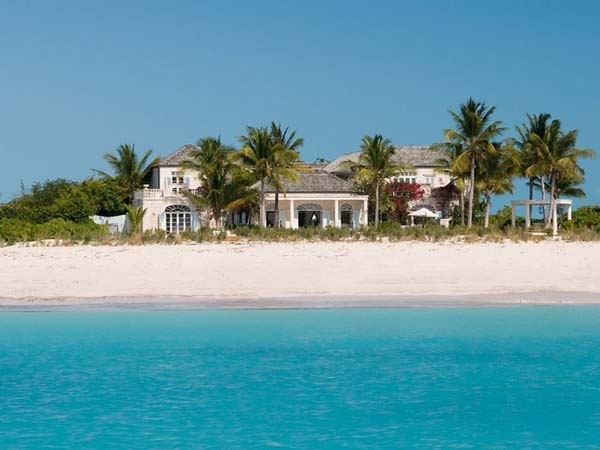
x=514, y=378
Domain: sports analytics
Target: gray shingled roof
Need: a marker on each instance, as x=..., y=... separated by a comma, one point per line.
x=412, y=155
x=178, y=156
x=313, y=181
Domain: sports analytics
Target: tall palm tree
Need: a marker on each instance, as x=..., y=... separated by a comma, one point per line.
x=495, y=174
x=448, y=165
x=288, y=169
x=130, y=170
x=474, y=134
x=256, y=155
x=558, y=158
x=375, y=165
x=267, y=160
x=213, y=164
x=528, y=154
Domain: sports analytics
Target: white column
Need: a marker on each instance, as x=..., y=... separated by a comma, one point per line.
x=292, y=221
x=570, y=212
x=336, y=214
x=366, y=212
x=554, y=221
x=527, y=217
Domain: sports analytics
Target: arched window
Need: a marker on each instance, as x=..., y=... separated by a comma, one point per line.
x=178, y=218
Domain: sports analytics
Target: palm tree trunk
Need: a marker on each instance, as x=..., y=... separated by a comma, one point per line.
x=544, y=210
x=531, y=181
x=377, y=205
x=488, y=206
x=552, y=199
x=471, y=193
x=263, y=212
x=276, y=223
x=463, y=194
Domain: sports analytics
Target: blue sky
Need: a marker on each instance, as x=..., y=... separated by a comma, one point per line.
x=79, y=78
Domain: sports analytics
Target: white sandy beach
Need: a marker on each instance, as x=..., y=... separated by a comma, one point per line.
x=302, y=274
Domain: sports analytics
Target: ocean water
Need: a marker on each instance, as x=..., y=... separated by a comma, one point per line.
x=481, y=378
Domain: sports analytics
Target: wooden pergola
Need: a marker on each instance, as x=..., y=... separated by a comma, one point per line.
x=529, y=203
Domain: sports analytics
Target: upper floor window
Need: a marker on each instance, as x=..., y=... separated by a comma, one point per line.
x=406, y=177
x=177, y=178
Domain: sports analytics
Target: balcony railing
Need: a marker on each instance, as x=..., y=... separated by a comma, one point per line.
x=147, y=193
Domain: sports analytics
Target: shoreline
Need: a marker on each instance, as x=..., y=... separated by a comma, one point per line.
x=508, y=299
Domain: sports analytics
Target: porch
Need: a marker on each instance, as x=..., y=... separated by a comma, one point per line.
x=313, y=210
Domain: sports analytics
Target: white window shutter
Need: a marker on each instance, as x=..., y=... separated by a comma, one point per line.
x=162, y=221
x=326, y=217
x=355, y=219
x=195, y=221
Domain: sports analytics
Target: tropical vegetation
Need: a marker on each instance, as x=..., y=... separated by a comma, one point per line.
x=131, y=171
x=481, y=160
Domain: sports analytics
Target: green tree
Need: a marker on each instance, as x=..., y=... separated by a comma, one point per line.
x=288, y=165
x=528, y=153
x=375, y=165
x=266, y=160
x=130, y=170
x=557, y=158
x=473, y=135
x=213, y=165
x=136, y=219
x=450, y=164
x=495, y=174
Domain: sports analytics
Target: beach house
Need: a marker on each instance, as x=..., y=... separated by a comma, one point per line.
x=419, y=164
x=323, y=195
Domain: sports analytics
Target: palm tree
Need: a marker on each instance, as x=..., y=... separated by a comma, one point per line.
x=557, y=157
x=130, y=171
x=448, y=164
x=568, y=186
x=495, y=174
x=213, y=164
x=528, y=153
x=288, y=169
x=375, y=165
x=136, y=218
x=267, y=160
x=473, y=135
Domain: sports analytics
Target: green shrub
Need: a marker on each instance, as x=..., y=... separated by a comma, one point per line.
x=14, y=230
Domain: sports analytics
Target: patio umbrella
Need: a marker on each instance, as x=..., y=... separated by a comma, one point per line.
x=423, y=212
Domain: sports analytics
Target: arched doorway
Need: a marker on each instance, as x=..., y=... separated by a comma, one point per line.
x=178, y=219
x=310, y=215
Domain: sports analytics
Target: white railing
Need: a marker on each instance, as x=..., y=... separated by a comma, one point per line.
x=160, y=193
x=149, y=193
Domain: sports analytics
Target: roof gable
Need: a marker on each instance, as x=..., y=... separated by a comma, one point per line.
x=412, y=155
x=178, y=156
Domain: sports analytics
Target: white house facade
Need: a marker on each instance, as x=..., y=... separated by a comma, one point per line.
x=320, y=197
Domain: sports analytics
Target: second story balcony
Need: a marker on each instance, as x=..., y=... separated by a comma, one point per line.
x=175, y=191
